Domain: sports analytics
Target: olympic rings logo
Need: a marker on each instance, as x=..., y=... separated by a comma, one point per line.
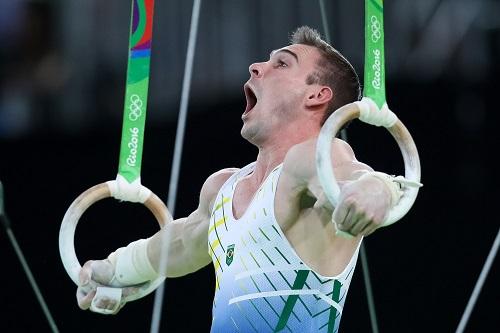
x=375, y=28
x=135, y=107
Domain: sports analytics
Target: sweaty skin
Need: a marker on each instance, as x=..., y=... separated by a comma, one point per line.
x=283, y=119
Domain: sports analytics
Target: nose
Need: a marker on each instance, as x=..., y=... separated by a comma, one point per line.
x=255, y=70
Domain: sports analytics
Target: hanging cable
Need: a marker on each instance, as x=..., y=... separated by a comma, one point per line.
x=179, y=141
x=4, y=220
x=369, y=291
x=324, y=19
x=479, y=284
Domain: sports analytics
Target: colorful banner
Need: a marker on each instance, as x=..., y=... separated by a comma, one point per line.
x=136, y=94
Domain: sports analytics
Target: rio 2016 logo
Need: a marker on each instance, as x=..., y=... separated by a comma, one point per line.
x=375, y=28
x=135, y=107
x=377, y=68
x=133, y=145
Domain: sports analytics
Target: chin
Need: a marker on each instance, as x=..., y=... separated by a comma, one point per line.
x=244, y=133
x=250, y=134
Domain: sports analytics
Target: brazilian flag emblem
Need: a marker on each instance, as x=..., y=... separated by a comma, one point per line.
x=229, y=254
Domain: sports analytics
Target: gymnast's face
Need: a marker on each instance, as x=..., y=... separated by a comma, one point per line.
x=276, y=93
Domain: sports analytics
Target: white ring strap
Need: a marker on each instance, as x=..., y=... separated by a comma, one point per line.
x=121, y=189
x=371, y=114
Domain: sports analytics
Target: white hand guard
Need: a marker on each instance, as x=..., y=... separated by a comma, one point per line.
x=132, y=267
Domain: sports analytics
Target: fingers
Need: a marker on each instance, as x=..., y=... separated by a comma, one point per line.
x=102, y=271
x=110, y=305
x=343, y=215
x=111, y=300
x=361, y=224
x=85, y=292
x=85, y=274
x=84, y=297
x=345, y=219
x=348, y=218
x=352, y=219
x=92, y=292
x=130, y=291
x=93, y=274
x=370, y=228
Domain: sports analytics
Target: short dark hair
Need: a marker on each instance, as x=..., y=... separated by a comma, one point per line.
x=332, y=69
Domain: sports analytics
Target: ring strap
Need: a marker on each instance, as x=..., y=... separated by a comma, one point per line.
x=371, y=114
x=135, y=105
x=374, y=81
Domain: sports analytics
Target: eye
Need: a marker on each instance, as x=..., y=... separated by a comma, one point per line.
x=281, y=63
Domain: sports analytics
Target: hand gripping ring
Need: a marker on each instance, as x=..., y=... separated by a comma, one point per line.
x=324, y=160
x=70, y=221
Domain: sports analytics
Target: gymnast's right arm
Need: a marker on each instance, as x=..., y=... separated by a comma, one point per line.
x=139, y=261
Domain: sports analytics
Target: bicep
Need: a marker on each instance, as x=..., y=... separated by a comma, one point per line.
x=195, y=238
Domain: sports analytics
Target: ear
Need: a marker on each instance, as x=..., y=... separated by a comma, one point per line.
x=319, y=97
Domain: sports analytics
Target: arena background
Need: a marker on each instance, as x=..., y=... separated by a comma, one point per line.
x=62, y=80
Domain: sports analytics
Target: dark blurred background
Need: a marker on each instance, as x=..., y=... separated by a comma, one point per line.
x=62, y=81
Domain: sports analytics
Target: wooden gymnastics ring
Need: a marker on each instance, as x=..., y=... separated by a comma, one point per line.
x=70, y=221
x=408, y=149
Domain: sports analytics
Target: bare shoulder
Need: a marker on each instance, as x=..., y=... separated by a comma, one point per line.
x=215, y=181
x=212, y=186
x=301, y=158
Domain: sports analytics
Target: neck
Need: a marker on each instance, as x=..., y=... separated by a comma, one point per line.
x=273, y=153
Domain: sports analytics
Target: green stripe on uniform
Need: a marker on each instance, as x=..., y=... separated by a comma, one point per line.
x=291, y=300
x=333, y=312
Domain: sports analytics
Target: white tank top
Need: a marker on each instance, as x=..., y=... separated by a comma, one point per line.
x=261, y=283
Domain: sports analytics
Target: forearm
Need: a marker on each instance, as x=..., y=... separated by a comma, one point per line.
x=180, y=247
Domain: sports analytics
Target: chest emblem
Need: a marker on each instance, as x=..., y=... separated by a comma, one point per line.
x=229, y=254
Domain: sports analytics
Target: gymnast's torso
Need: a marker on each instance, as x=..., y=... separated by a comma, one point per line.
x=262, y=284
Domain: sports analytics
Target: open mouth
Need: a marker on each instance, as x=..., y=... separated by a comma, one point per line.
x=250, y=97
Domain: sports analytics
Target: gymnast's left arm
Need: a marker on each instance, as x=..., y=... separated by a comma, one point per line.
x=181, y=245
x=137, y=263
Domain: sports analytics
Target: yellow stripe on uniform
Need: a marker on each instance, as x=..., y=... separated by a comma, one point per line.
x=215, y=244
x=216, y=265
x=219, y=205
x=217, y=282
x=216, y=224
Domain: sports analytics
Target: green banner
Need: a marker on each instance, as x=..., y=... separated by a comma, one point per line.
x=133, y=131
x=136, y=94
x=374, y=85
